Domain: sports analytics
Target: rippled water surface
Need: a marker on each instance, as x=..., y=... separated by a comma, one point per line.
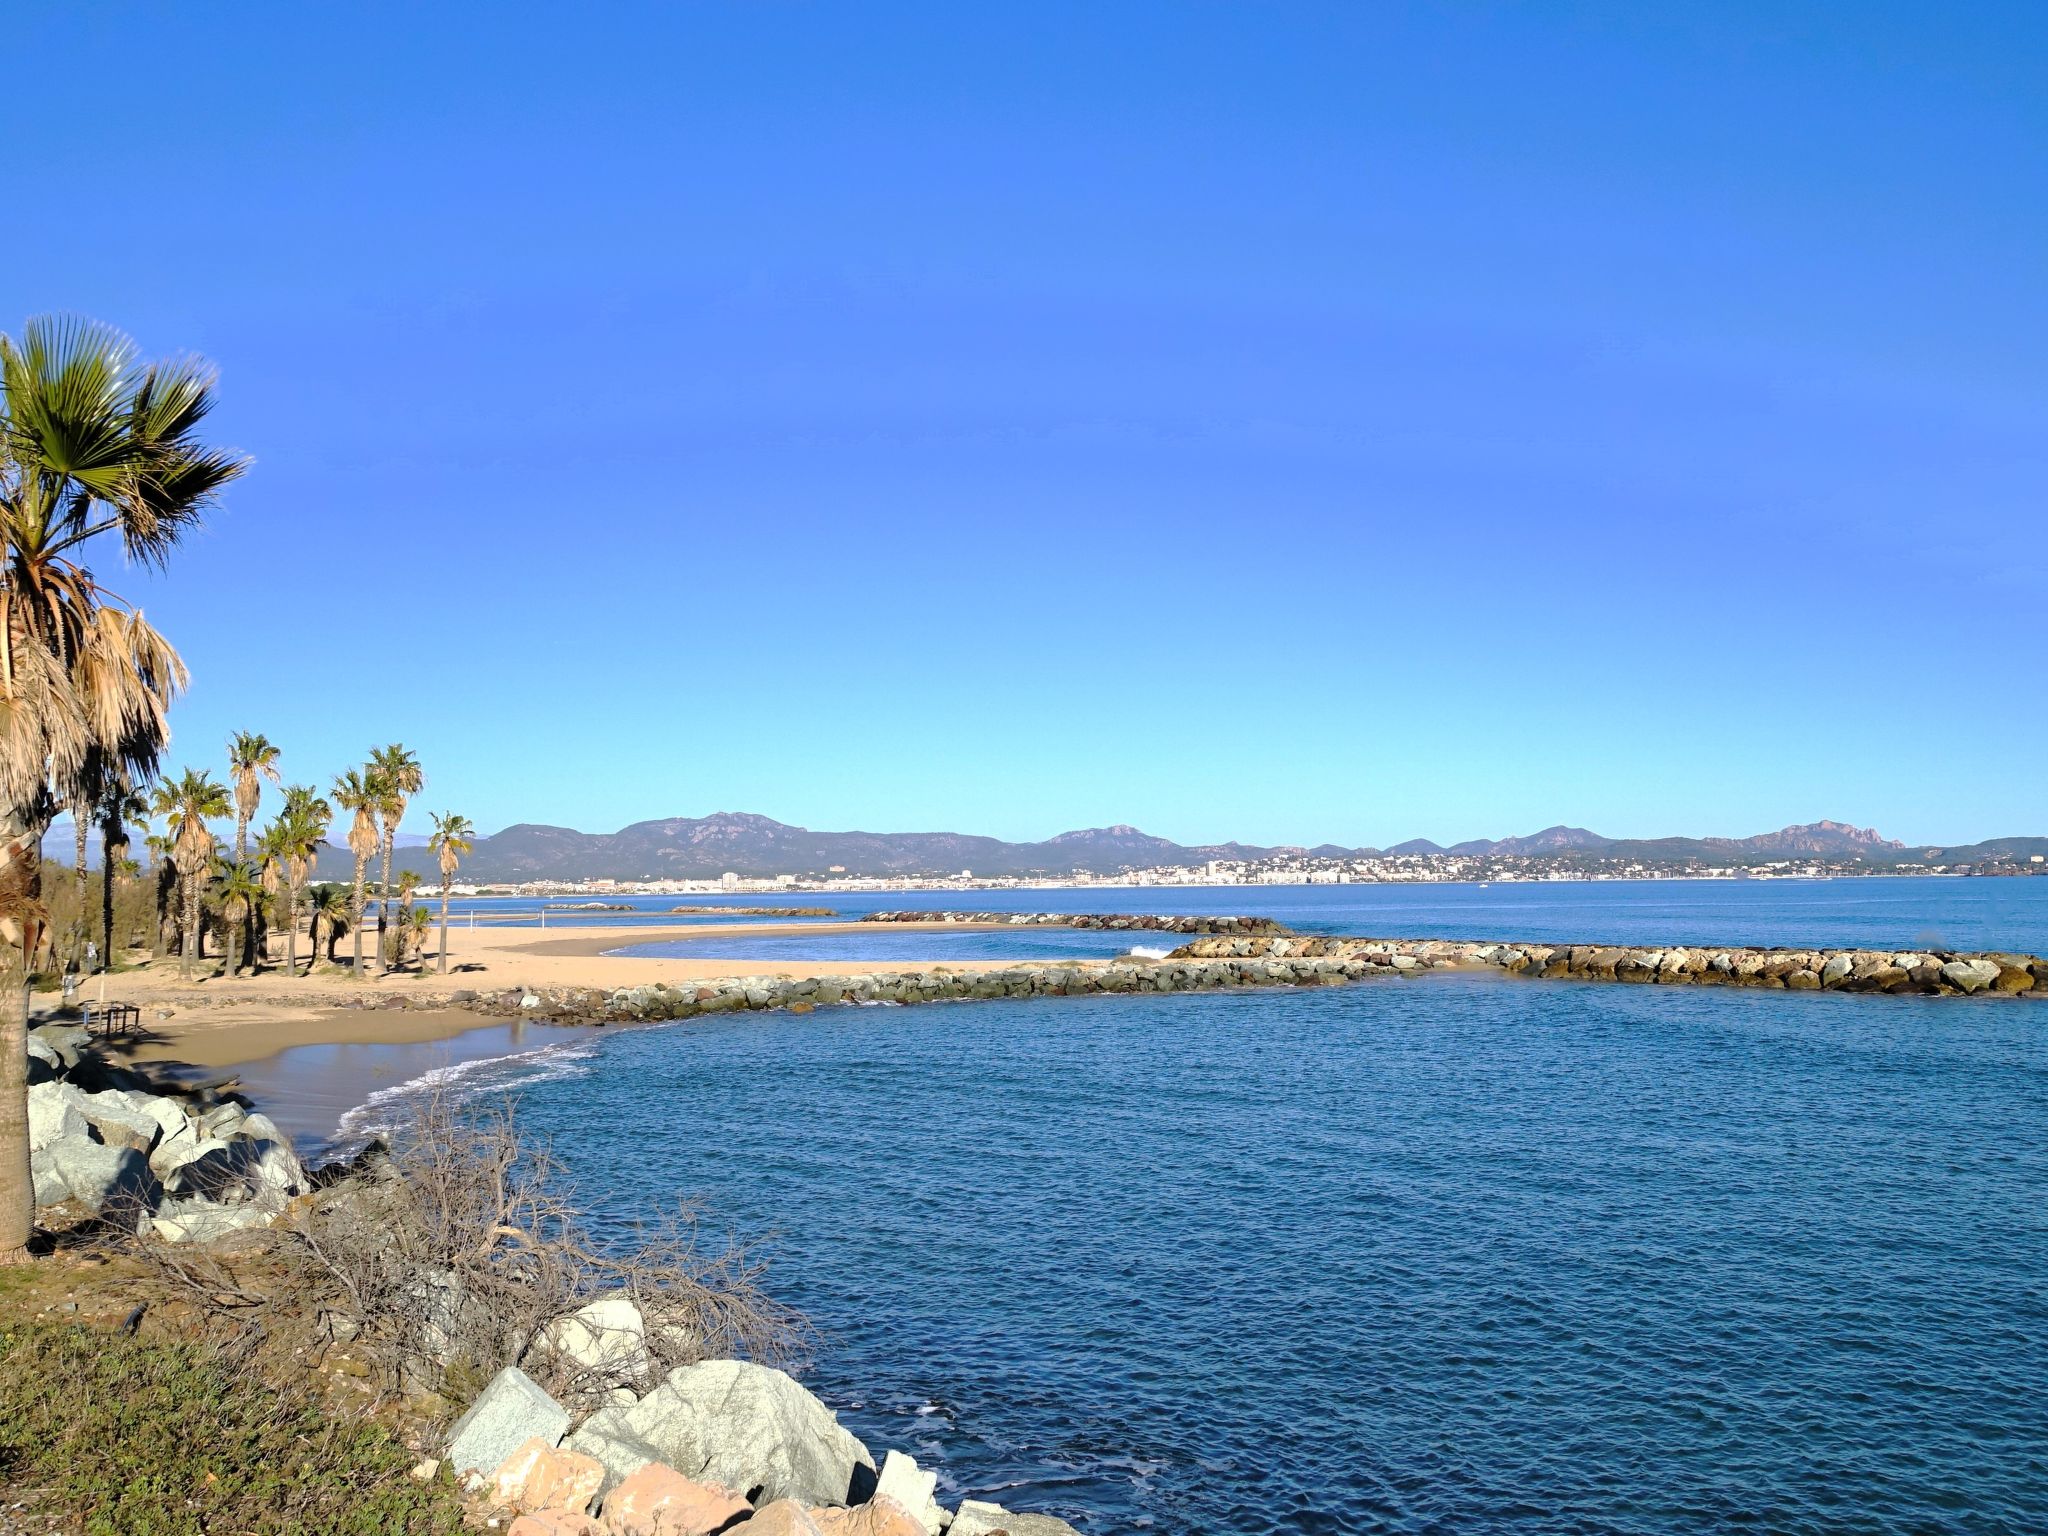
x=1459, y=1255
x=1897, y=911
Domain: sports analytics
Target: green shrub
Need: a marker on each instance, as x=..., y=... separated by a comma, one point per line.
x=136, y=1437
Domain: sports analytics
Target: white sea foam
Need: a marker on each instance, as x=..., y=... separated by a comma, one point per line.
x=384, y=1110
x=1146, y=952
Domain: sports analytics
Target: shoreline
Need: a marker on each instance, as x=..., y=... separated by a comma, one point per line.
x=324, y=1046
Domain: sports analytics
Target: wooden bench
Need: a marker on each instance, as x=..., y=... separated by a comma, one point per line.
x=112, y=1019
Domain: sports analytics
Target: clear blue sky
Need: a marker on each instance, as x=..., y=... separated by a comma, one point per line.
x=1284, y=422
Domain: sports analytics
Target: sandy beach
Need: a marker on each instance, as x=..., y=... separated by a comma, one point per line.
x=220, y=1022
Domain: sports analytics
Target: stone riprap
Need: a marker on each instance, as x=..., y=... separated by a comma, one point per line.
x=725, y=1446
x=109, y=1142
x=662, y=1001
x=1213, y=964
x=1927, y=972
x=1115, y=922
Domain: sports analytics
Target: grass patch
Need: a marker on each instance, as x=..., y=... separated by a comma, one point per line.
x=150, y=1437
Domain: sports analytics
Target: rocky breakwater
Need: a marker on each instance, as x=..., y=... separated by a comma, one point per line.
x=109, y=1144
x=1116, y=922
x=718, y=1446
x=1930, y=973
x=663, y=1001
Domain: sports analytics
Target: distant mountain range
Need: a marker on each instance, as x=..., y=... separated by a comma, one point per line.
x=696, y=848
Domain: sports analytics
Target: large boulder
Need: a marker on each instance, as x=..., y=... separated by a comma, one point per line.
x=784, y=1517
x=537, y=1477
x=105, y=1180
x=660, y=1501
x=229, y=1172
x=201, y=1221
x=878, y=1517
x=751, y=1428
x=54, y=1115
x=609, y=1337
x=977, y=1518
x=120, y=1120
x=1970, y=975
x=507, y=1413
x=611, y=1444
x=44, y=1064
x=555, y=1522
x=67, y=1042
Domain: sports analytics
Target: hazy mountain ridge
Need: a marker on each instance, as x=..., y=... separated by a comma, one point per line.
x=753, y=846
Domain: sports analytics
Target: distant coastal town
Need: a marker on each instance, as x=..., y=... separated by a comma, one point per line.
x=1385, y=869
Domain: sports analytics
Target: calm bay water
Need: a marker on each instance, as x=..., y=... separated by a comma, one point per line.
x=1928, y=912
x=1457, y=1254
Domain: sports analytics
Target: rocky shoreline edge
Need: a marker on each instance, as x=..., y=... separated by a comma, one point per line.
x=632, y=1447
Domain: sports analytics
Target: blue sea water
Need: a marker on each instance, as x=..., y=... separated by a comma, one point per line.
x=1929, y=912
x=1459, y=1254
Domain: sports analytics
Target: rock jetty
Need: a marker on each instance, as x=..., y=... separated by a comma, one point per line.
x=713, y=911
x=687, y=999
x=1931, y=973
x=1113, y=921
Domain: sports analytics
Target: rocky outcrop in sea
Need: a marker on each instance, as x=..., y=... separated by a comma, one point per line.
x=1115, y=922
x=1932, y=973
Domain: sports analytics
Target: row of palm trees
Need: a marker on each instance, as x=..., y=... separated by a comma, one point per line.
x=272, y=884
x=98, y=448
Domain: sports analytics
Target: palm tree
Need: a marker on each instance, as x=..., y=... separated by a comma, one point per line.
x=186, y=803
x=94, y=444
x=330, y=906
x=238, y=890
x=121, y=807
x=401, y=938
x=399, y=772
x=359, y=792
x=453, y=837
x=251, y=760
x=270, y=870
x=419, y=922
x=159, y=846
x=294, y=842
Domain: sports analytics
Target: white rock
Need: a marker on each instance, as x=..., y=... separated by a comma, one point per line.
x=901, y=1480
x=53, y=1113
x=200, y=1221
x=607, y=1335
x=977, y=1518
x=119, y=1120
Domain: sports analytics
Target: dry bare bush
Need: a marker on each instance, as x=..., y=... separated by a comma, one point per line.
x=444, y=1259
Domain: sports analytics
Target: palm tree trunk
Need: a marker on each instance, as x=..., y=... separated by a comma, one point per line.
x=383, y=901
x=444, y=925
x=21, y=861
x=356, y=914
x=291, y=927
x=193, y=940
x=241, y=835
x=78, y=929
x=106, y=902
